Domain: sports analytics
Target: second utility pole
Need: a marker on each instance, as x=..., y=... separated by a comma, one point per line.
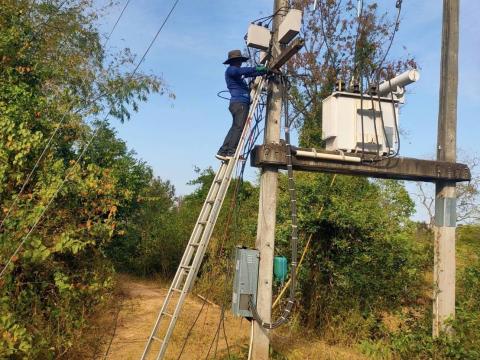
x=445, y=200
x=267, y=208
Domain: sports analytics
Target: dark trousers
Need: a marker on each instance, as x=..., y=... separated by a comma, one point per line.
x=239, y=114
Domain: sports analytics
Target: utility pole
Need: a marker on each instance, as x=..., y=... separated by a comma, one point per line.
x=267, y=208
x=445, y=200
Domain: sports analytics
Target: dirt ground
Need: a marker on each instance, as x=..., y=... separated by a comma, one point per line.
x=138, y=309
x=139, y=306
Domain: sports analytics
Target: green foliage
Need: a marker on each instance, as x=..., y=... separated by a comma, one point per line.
x=362, y=260
x=51, y=71
x=236, y=225
x=413, y=339
x=150, y=241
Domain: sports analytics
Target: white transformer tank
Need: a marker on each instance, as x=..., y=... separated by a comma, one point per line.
x=342, y=123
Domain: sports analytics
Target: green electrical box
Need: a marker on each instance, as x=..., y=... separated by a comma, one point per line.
x=280, y=268
x=245, y=280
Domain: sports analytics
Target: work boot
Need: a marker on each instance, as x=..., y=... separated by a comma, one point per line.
x=223, y=157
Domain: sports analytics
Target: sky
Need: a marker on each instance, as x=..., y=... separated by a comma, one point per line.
x=176, y=136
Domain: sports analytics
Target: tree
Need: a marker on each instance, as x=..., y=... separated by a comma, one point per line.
x=468, y=195
x=338, y=46
x=55, y=72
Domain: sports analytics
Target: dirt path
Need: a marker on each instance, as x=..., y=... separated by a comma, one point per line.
x=139, y=308
x=140, y=305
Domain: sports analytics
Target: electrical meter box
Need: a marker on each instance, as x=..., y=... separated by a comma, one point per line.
x=245, y=281
x=342, y=114
x=258, y=37
x=290, y=26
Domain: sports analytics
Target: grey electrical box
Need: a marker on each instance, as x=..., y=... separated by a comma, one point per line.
x=290, y=26
x=258, y=37
x=245, y=281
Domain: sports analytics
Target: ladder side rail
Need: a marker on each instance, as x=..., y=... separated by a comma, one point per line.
x=199, y=228
x=225, y=172
x=201, y=217
x=226, y=183
x=189, y=250
x=171, y=325
x=198, y=257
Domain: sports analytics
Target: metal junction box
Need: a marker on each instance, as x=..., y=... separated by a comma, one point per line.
x=290, y=26
x=258, y=37
x=245, y=280
x=342, y=114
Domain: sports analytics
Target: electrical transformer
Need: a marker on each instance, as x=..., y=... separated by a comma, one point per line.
x=245, y=281
x=343, y=114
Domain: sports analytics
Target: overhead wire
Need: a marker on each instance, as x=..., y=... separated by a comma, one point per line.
x=82, y=153
x=392, y=37
x=57, y=128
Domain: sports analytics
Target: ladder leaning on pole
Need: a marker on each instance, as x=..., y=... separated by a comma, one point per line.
x=192, y=258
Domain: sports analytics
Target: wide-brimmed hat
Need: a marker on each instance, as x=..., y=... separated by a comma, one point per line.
x=235, y=55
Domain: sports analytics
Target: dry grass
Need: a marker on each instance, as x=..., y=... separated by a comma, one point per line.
x=297, y=347
x=141, y=300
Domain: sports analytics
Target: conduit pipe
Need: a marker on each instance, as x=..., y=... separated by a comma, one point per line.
x=316, y=155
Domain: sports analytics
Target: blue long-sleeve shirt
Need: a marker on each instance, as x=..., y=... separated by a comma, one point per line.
x=236, y=84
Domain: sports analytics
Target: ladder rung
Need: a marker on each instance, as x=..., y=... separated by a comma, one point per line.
x=177, y=290
x=165, y=313
x=202, y=222
x=186, y=267
x=156, y=338
x=194, y=244
x=210, y=201
x=219, y=181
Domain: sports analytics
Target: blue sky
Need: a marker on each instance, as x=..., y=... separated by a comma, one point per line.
x=174, y=136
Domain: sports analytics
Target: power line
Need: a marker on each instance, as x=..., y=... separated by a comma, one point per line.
x=116, y=22
x=82, y=152
x=57, y=128
x=156, y=35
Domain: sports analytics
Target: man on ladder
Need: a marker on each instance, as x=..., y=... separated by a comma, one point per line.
x=239, y=99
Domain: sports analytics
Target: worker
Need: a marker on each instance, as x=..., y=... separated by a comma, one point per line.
x=239, y=99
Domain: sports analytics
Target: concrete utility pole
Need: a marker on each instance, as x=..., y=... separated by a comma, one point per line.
x=445, y=200
x=267, y=208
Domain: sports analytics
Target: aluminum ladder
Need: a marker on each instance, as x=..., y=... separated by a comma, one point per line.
x=192, y=257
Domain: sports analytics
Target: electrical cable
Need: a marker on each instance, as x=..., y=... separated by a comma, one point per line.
x=82, y=153
x=189, y=332
x=397, y=24
x=383, y=123
x=57, y=128
x=294, y=228
x=219, y=94
x=395, y=120
x=374, y=116
x=361, y=116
